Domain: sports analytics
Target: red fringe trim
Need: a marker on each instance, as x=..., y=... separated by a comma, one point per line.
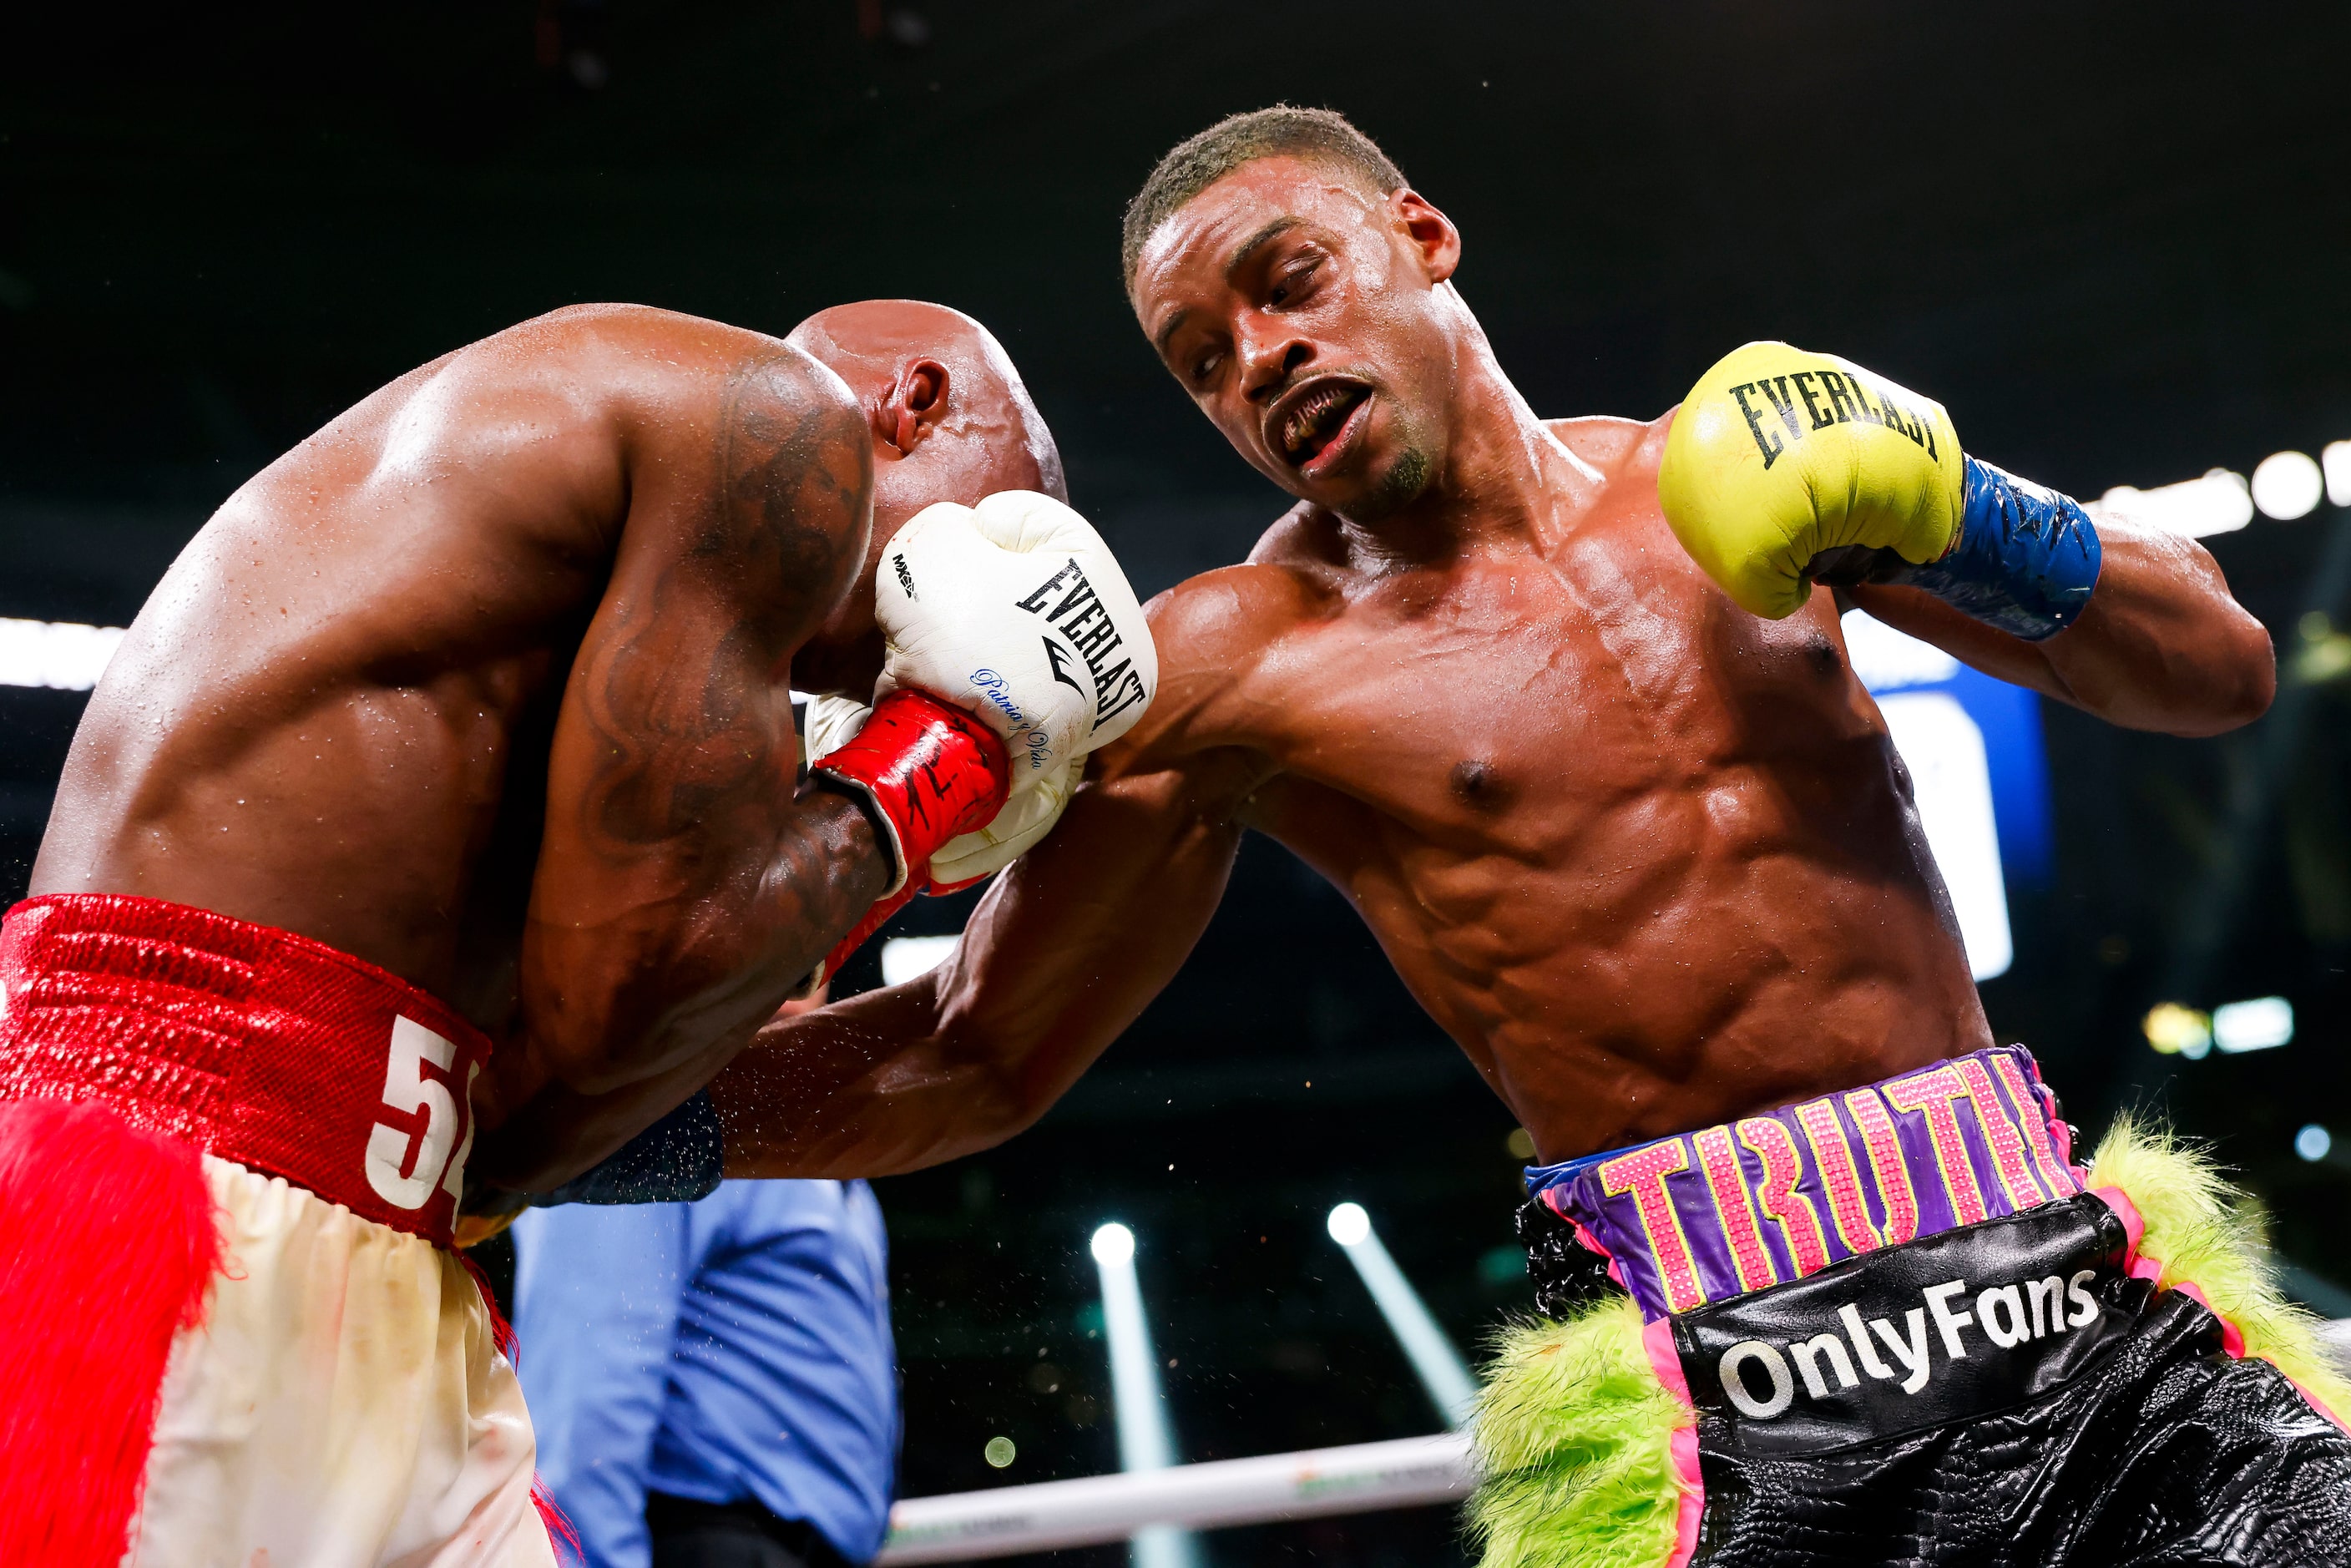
x=107, y=1246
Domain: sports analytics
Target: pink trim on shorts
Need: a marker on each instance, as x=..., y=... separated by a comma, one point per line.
x=2142, y=1267
x=1658, y=1339
x=1657, y=1342
x=2061, y=1131
x=2116, y=1199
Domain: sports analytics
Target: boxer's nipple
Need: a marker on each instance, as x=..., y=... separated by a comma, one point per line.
x=1477, y=783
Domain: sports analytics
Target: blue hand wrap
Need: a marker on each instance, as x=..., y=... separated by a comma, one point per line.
x=676, y=1160
x=2025, y=560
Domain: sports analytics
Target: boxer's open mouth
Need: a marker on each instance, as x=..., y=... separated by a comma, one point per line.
x=1309, y=423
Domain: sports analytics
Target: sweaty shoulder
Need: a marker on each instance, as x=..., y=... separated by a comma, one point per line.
x=669, y=441
x=659, y=365
x=1611, y=444
x=570, y=417
x=742, y=447
x=1216, y=631
x=1230, y=616
x=654, y=360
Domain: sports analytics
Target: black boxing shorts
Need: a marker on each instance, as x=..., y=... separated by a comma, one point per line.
x=1898, y=1325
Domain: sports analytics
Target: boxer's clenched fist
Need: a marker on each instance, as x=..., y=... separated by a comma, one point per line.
x=1016, y=610
x=1779, y=455
x=1784, y=467
x=1025, y=819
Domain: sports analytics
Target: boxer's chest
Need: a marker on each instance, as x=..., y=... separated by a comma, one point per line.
x=1507, y=696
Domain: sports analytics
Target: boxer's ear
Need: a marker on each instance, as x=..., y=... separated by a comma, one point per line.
x=913, y=406
x=1429, y=233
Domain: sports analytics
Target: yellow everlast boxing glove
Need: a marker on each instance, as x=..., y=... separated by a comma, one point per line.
x=1785, y=466
x=1779, y=454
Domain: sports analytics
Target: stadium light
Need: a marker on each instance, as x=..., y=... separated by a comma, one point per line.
x=2314, y=1143
x=1146, y=1441
x=2218, y=502
x=903, y=957
x=2177, y=1031
x=2336, y=461
x=2261, y=1024
x=1114, y=1244
x=64, y=655
x=2287, y=486
x=1434, y=1360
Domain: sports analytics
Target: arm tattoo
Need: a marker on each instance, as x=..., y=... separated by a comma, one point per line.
x=681, y=737
x=689, y=797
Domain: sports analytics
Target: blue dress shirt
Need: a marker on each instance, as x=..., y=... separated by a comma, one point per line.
x=736, y=1347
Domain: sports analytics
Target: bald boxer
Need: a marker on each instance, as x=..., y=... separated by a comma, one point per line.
x=1551, y=703
x=446, y=786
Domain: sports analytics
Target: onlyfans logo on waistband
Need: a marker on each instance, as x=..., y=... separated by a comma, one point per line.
x=1835, y=1359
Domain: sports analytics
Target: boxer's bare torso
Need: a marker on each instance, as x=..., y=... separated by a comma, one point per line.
x=1651, y=861
x=487, y=683
x=335, y=713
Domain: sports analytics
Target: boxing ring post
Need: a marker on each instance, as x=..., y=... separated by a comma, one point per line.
x=1443, y=1374
x=1146, y=1444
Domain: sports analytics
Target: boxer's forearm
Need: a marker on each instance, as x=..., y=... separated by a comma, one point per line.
x=1070, y=946
x=871, y=1087
x=2161, y=646
x=608, y=1046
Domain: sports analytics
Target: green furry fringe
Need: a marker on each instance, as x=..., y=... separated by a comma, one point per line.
x=2205, y=1232
x=1573, y=1427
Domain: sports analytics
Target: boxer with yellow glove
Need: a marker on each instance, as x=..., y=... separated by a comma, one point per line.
x=1786, y=467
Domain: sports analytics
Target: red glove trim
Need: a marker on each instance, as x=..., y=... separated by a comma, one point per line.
x=933, y=772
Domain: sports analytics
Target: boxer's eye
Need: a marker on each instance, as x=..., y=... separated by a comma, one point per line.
x=1292, y=283
x=1206, y=366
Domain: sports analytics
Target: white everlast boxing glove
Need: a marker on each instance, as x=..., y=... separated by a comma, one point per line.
x=1055, y=655
x=1029, y=624
x=962, y=861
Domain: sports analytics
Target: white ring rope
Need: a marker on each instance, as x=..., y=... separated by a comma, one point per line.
x=965, y=1527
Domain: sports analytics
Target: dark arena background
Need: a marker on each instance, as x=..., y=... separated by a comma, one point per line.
x=2115, y=240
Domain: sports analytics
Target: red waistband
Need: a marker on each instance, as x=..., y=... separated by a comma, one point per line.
x=259, y=1046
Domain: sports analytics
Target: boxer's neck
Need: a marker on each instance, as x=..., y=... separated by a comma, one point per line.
x=1501, y=479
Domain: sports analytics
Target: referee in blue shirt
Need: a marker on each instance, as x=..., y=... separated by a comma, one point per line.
x=714, y=1384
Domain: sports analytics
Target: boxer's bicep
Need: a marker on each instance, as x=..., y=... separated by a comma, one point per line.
x=1918, y=613
x=1078, y=934
x=2163, y=645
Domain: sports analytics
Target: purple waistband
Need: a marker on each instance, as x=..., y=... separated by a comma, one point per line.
x=1702, y=1217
